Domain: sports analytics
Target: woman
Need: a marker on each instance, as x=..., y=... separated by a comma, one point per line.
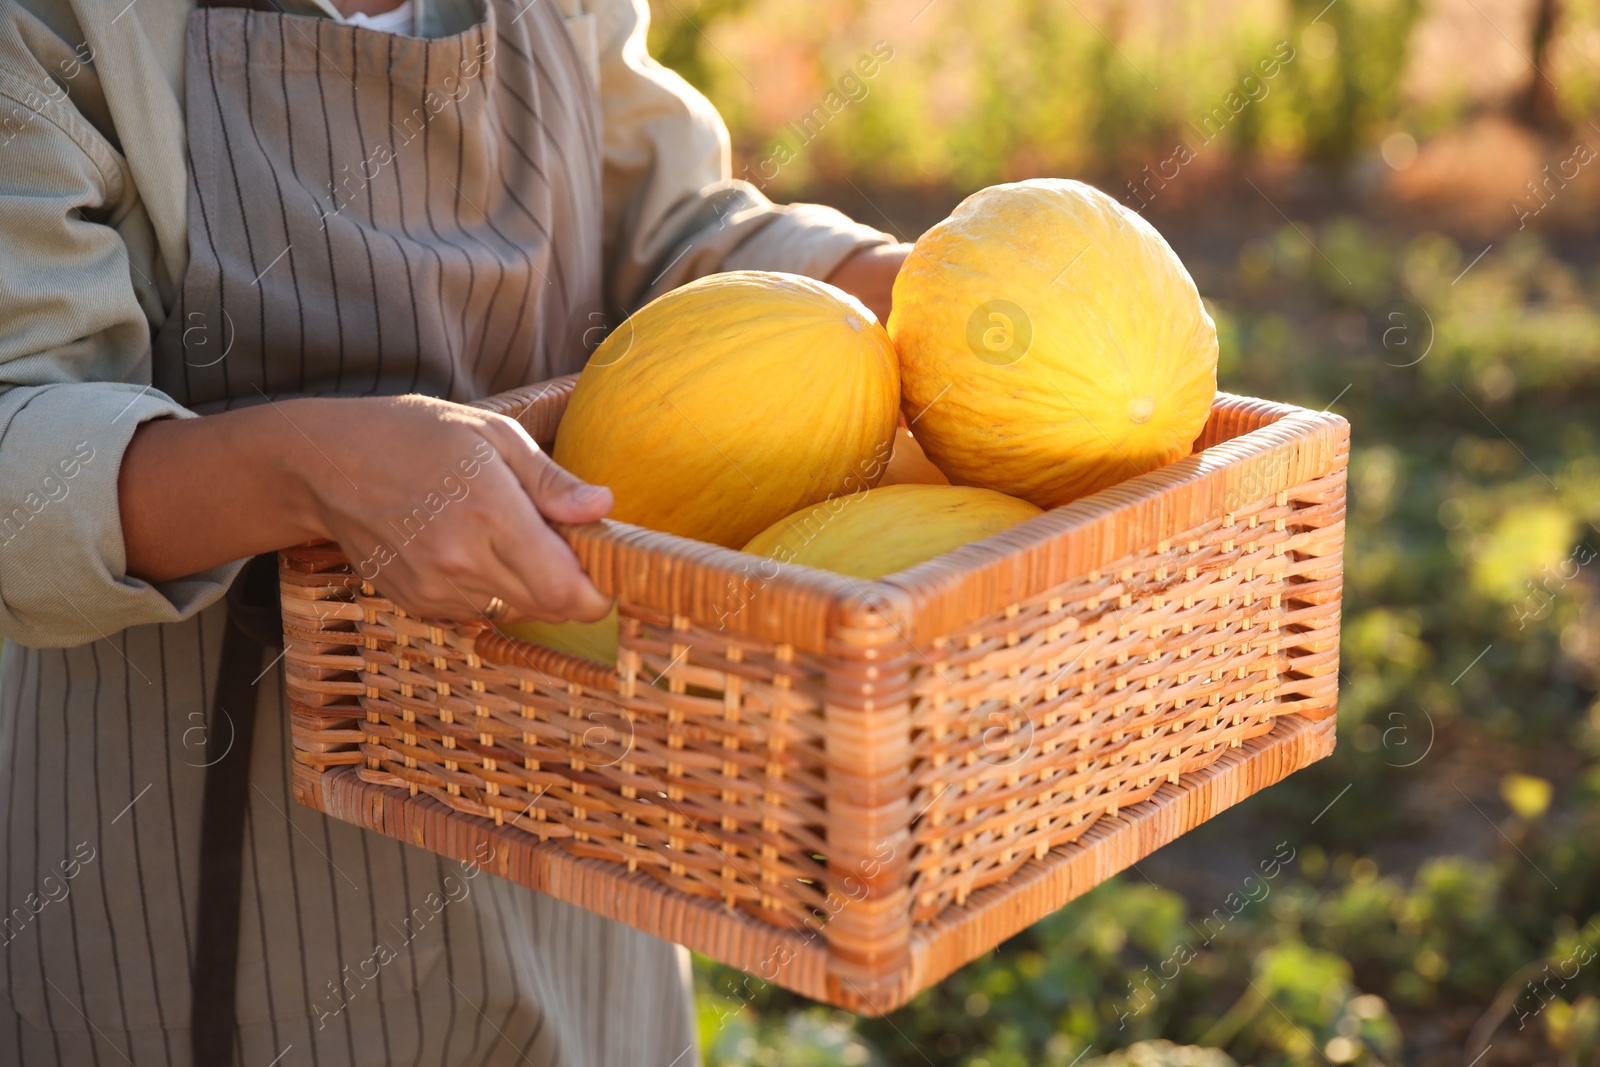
x=254, y=263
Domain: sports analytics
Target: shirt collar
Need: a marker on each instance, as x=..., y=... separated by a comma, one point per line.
x=435, y=18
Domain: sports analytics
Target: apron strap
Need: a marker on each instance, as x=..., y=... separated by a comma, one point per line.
x=252, y=602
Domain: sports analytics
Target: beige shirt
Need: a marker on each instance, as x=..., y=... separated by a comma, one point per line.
x=93, y=184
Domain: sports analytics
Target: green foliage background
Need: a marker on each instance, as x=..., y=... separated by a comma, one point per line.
x=1442, y=892
x=1013, y=88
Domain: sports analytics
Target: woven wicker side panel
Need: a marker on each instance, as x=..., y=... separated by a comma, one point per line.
x=961, y=934
x=795, y=959
x=321, y=664
x=703, y=770
x=1084, y=699
x=1095, y=532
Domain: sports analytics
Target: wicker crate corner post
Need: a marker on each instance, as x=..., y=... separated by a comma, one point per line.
x=867, y=705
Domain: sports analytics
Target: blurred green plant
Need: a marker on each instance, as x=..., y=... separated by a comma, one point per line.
x=1346, y=92
x=678, y=36
x=973, y=101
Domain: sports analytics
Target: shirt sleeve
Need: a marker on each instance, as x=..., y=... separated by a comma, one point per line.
x=75, y=372
x=673, y=212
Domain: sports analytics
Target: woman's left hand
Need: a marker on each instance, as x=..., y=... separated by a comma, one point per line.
x=868, y=275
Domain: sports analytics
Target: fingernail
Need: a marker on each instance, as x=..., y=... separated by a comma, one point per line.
x=589, y=494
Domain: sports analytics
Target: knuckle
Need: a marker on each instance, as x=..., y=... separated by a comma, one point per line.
x=497, y=430
x=454, y=562
x=544, y=470
x=511, y=433
x=555, y=479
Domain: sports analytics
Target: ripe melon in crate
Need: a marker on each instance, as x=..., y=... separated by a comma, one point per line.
x=1051, y=343
x=723, y=406
x=884, y=530
x=595, y=641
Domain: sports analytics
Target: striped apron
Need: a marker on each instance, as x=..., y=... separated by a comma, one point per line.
x=368, y=214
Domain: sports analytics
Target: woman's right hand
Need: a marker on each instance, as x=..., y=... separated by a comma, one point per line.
x=442, y=507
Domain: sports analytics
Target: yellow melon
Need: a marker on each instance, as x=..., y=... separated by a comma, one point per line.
x=721, y=407
x=1051, y=343
x=909, y=465
x=595, y=641
x=884, y=530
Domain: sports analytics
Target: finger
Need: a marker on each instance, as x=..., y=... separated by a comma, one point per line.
x=506, y=552
x=556, y=492
x=551, y=580
x=559, y=590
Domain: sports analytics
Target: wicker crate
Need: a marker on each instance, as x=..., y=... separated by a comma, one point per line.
x=850, y=788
